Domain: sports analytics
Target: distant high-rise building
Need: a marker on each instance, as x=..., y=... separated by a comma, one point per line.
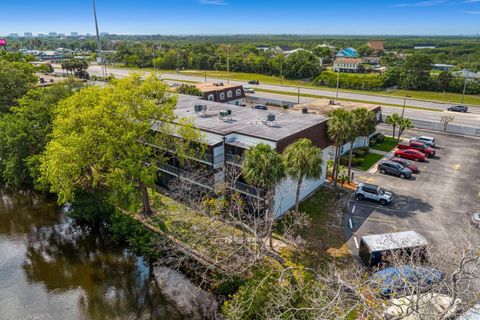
x=28, y=35
x=41, y=35
x=103, y=34
x=52, y=34
x=87, y=34
x=13, y=35
x=74, y=34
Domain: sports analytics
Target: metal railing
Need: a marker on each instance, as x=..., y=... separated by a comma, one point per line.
x=248, y=189
x=233, y=158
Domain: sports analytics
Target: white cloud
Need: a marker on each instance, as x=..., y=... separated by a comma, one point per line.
x=214, y=2
x=469, y=12
x=430, y=3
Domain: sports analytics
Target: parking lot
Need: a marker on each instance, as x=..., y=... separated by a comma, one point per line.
x=437, y=202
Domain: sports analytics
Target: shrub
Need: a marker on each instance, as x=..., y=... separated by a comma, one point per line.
x=359, y=152
x=366, y=149
x=372, y=141
x=357, y=161
x=380, y=138
x=344, y=160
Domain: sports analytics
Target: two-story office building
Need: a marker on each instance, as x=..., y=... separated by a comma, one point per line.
x=349, y=65
x=230, y=130
x=221, y=92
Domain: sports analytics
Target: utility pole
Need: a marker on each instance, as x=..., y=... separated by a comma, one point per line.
x=338, y=82
x=466, y=79
x=281, y=71
x=404, y=103
x=228, y=64
x=100, y=56
x=298, y=92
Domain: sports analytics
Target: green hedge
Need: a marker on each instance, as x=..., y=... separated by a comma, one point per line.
x=358, y=81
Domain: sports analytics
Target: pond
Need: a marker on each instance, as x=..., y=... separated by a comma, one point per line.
x=51, y=268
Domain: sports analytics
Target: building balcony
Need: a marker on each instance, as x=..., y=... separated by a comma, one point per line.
x=248, y=190
x=206, y=180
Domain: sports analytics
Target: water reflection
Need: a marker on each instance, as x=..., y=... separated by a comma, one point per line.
x=51, y=268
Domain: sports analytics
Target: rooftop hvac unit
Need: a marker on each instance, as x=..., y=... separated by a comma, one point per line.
x=200, y=107
x=224, y=113
x=270, y=117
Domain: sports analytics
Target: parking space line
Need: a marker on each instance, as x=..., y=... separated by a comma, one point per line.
x=353, y=209
x=356, y=242
x=376, y=219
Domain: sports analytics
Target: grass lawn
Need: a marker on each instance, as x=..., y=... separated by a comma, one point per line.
x=369, y=160
x=324, y=236
x=386, y=145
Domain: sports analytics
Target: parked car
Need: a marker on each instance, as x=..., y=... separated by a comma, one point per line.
x=395, y=169
x=404, y=279
x=406, y=163
x=476, y=219
x=458, y=108
x=428, y=141
x=256, y=82
x=373, y=192
x=420, y=146
x=410, y=154
x=248, y=90
x=260, y=107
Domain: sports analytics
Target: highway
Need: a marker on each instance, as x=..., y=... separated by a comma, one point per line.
x=471, y=119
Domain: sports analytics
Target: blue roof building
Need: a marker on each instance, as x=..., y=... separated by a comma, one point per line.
x=348, y=53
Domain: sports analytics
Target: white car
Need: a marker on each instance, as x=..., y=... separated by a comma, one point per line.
x=428, y=141
x=373, y=192
x=248, y=90
x=476, y=219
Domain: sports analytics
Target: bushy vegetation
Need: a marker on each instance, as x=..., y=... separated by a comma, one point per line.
x=372, y=82
x=189, y=89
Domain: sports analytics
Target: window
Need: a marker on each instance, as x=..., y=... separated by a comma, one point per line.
x=238, y=92
x=222, y=96
x=211, y=97
x=229, y=94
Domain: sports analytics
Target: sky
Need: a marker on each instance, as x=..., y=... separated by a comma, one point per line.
x=172, y=17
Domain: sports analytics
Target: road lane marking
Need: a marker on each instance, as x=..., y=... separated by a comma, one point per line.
x=356, y=242
x=350, y=222
x=353, y=209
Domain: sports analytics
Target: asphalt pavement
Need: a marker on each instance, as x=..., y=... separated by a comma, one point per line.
x=438, y=202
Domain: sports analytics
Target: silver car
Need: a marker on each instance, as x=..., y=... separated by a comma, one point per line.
x=373, y=192
x=429, y=141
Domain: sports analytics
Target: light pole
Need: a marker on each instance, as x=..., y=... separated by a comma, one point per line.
x=281, y=71
x=154, y=62
x=466, y=79
x=228, y=64
x=404, y=103
x=298, y=92
x=100, y=57
x=338, y=82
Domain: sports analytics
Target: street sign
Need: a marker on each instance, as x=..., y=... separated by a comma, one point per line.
x=3, y=42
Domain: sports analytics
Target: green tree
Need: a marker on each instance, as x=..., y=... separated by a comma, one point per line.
x=339, y=125
x=302, y=65
x=393, y=120
x=264, y=168
x=303, y=160
x=25, y=131
x=404, y=124
x=103, y=138
x=363, y=125
x=16, y=78
x=444, y=78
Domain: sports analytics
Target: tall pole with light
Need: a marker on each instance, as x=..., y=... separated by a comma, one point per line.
x=100, y=56
x=466, y=79
x=338, y=82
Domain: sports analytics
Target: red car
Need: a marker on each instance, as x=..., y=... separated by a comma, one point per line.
x=410, y=154
x=420, y=146
x=406, y=163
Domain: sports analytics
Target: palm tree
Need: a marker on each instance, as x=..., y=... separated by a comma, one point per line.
x=303, y=160
x=338, y=130
x=393, y=120
x=403, y=125
x=263, y=167
x=363, y=125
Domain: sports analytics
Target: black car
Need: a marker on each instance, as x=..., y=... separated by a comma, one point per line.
x=254, y=82
x=260, y=107
x=458, y=108
x=395, y=169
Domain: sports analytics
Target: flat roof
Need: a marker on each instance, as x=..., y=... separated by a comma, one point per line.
x=208, y=87
x=245, y=120
x=324, y=108
x=392, y=241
